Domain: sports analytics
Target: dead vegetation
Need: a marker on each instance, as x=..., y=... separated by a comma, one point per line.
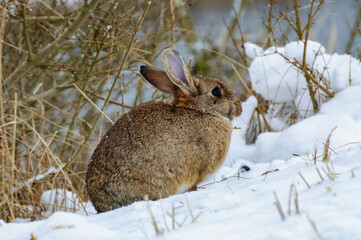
x=56, y=61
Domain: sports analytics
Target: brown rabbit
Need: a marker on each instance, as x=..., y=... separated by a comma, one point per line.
x=161, y=149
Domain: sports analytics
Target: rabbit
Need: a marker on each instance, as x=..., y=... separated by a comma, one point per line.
x=161, y=149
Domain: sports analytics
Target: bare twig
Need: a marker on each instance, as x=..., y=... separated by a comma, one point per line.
x=194, y=218
x=297, y=208
x=26, y=33
x=154, y=222
x=319, y=174
x=289, y=200
x=304, y=179
x=270, y=129
x=354, y=30
x=173, y=21
x=278, y=206
x=314, y=227
x=26, y=66
x=112, y=87
x=92, y=103
x=326, y=150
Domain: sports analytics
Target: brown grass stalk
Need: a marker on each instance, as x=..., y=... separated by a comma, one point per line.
x=279, y=207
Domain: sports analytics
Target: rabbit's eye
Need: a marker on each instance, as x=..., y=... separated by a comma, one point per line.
x=217, y=92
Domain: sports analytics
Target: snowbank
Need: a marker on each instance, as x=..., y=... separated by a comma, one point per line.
x=274, y=76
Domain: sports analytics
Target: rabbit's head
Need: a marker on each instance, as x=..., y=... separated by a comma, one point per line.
x=205, y=94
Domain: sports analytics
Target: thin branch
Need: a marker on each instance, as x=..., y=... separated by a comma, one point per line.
x=308, y=185
x=235, y=44
x=86, y=97
x=278, y=206
x=154, y=222
x=314, y=227
x=26, y=34
x=4, y=144
x=111, y=101
x=26, y=66
x=106, y=101
x=354, y=30
x=173, y=21
x=299, y=31
x=252, y=93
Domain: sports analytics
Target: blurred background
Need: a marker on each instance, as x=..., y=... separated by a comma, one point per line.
x=333, y=28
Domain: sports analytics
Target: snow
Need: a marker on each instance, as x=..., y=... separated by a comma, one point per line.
x=275, y=77
x=316, y=197
x=39, y=177
x=63, y=200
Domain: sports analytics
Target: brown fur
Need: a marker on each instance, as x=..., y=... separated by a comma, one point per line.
x=157, y=148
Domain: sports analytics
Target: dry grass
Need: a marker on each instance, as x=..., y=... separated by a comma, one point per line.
x=58, y=63
x=172, y=215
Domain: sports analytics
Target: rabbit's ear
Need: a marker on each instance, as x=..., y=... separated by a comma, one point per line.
x=178, y=72
x=158, y=78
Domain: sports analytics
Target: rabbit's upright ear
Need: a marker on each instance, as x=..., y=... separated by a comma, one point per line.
x=158, y=78
x=178, y=71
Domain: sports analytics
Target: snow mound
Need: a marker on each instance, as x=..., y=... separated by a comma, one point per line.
x=274, y=75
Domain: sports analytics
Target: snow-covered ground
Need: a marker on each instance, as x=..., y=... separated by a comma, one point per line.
x=289, y=191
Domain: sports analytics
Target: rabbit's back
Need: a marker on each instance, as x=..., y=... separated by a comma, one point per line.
x=155, y=150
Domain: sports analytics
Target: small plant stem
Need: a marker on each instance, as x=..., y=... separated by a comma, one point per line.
x=304, y=180
x=44, y=53
x=13, y=166
x=314, y=227
x=324, y=89
x=304, y=65
x=2, y=117
x=235, y=44
x=112, y=101
x=308, y=26
x=154, y=222
x=173, y=21
x=58, y=14
x=10, y=208
x=258, y=108
x=173, y=216
x=244, y=55
x=289, y=200
x=319, y=174
x=78, y=108
x=296, y=7
x=164, y=220
x=279, y=207
x=233, y=25
x=269, y=24
x=353, y=32
x=300, y=32
x=86, y=97
x=194, y=218
x=307, y=74
x=226, y=57
x=5, y=152
x=87, y=138
x=297, y=208
x=328, y=174
x=26, y=32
